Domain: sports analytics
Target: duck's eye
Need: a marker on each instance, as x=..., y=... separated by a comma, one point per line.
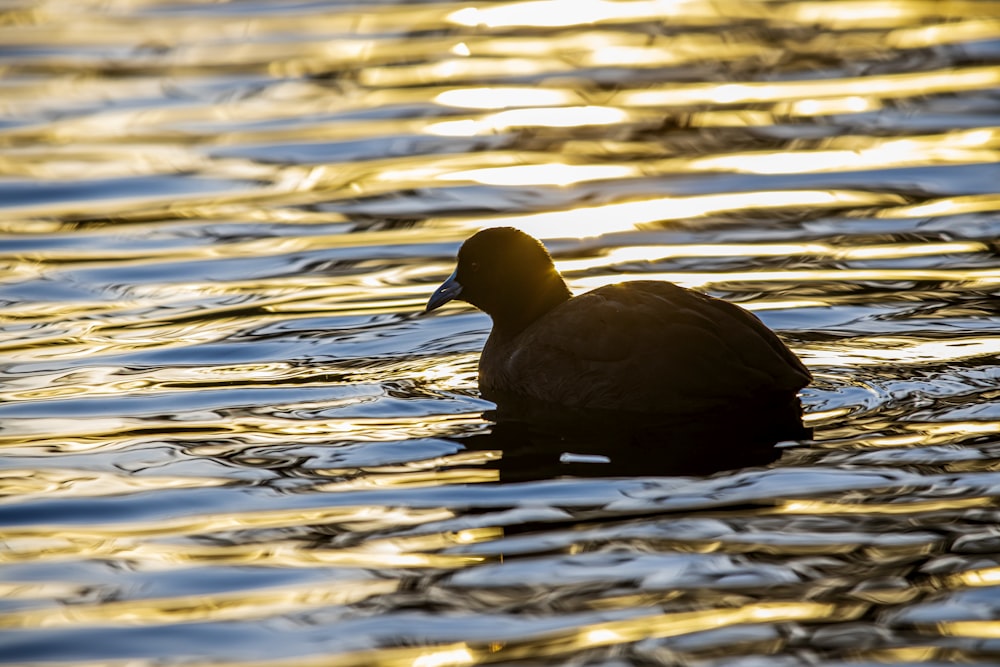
x=473, y=266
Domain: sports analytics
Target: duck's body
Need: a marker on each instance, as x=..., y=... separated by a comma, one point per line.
x=647, y=347
x=643, y=346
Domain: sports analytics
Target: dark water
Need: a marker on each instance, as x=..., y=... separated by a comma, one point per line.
x=228, y=436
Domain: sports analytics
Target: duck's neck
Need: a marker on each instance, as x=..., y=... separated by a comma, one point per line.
x=515, y=317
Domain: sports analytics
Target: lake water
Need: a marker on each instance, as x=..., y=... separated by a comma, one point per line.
x=229, y=436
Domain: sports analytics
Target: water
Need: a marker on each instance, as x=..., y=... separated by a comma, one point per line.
x=229, y=437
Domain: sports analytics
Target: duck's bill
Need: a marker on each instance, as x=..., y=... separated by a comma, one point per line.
x=449, y=290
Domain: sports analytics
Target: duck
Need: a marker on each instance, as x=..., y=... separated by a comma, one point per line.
x=643, y=347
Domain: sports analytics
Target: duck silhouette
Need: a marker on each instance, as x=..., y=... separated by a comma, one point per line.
x=640, y=348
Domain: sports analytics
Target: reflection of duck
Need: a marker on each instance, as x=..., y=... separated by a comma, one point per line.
x=641, y=348
x=546, y=442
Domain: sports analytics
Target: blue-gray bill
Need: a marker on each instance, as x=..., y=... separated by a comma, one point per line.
x=450, y=289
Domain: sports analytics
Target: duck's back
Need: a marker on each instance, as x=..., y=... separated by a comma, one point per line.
x=643, y=346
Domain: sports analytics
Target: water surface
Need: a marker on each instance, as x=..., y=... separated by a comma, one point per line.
x=229, y=437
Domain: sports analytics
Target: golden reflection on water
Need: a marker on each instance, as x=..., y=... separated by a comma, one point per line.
x=918, y=434
x=820, y=507
x=333, y=135
x=244, y=605
x=423, y=472
x=503, y=97
x=362, y=518
x=878, y=86
x=960, y=427
x=626, y=216
x=563, y=13
x=979, y=629
x=654, y=253
x=958, y=31
x=417, y=479
x=524, y=118
x=879, y=350
x=951, y=148
x=831, y=14
x=129, y=326
x=132, y=542
x=613, y=633
x=274, y=553
x=984, y=577
x=829, y=155
x=20, y=485
x=973, y=278
x=567, y=642
x=93, y=434
x=554, y=173
x=459, y=69
x=944, y=206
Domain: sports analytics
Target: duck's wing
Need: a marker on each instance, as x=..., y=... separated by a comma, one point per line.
x=645, y=346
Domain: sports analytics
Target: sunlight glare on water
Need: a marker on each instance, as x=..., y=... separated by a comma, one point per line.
x=229, y=436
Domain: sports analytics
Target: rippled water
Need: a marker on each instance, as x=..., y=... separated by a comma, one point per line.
x=229, y=436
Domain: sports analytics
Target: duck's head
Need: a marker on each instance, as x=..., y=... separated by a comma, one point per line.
x=506, y=274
